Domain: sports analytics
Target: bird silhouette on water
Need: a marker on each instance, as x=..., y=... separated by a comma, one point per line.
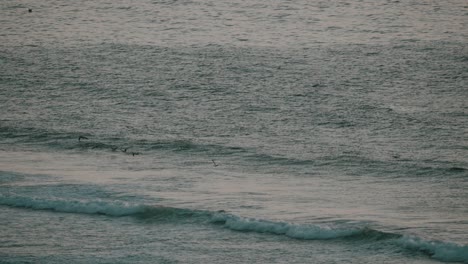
x=114, y=148
x=214, y=163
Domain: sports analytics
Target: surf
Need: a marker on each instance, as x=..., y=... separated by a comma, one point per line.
x=356, y=233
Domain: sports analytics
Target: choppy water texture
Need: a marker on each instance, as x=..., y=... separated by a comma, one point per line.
x=233, y=131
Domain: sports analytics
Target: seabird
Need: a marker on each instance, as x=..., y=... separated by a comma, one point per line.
x=214, y=163
x=29, y=10
x=135, y=153
x=81, y=137
x=124, y=150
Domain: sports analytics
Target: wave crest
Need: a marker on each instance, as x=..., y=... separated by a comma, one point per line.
x=116, y=208
x=309, y=232
x=98, y=206
x=444, y=251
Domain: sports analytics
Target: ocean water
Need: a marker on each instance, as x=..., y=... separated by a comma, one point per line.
x=180, y=131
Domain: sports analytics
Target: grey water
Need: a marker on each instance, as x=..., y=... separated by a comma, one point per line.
x=233, y=131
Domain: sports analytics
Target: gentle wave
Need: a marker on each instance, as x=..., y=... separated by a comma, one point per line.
x=115, y=208
x=233, y=222
x=307, y=232
x=69, y=141
x=444, y=251
x=440, y=250
x=8, y=177
x=98, y=207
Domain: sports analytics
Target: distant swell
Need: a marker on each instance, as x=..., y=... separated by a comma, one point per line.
x=444, y=251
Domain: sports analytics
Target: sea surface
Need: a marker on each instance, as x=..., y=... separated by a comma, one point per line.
x=178, y=131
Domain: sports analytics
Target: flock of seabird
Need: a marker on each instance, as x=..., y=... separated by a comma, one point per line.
x=133, y=153
x=113, y=148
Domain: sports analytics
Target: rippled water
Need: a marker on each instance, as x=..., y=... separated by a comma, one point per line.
x=233, y=132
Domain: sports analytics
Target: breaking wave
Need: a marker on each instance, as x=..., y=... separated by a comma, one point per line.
x=98, y=207
x=444, y=251
x=440, y=250
x=74, y=206
x=307, y=232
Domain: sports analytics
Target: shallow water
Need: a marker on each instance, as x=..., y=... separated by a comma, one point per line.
x=233, y=132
